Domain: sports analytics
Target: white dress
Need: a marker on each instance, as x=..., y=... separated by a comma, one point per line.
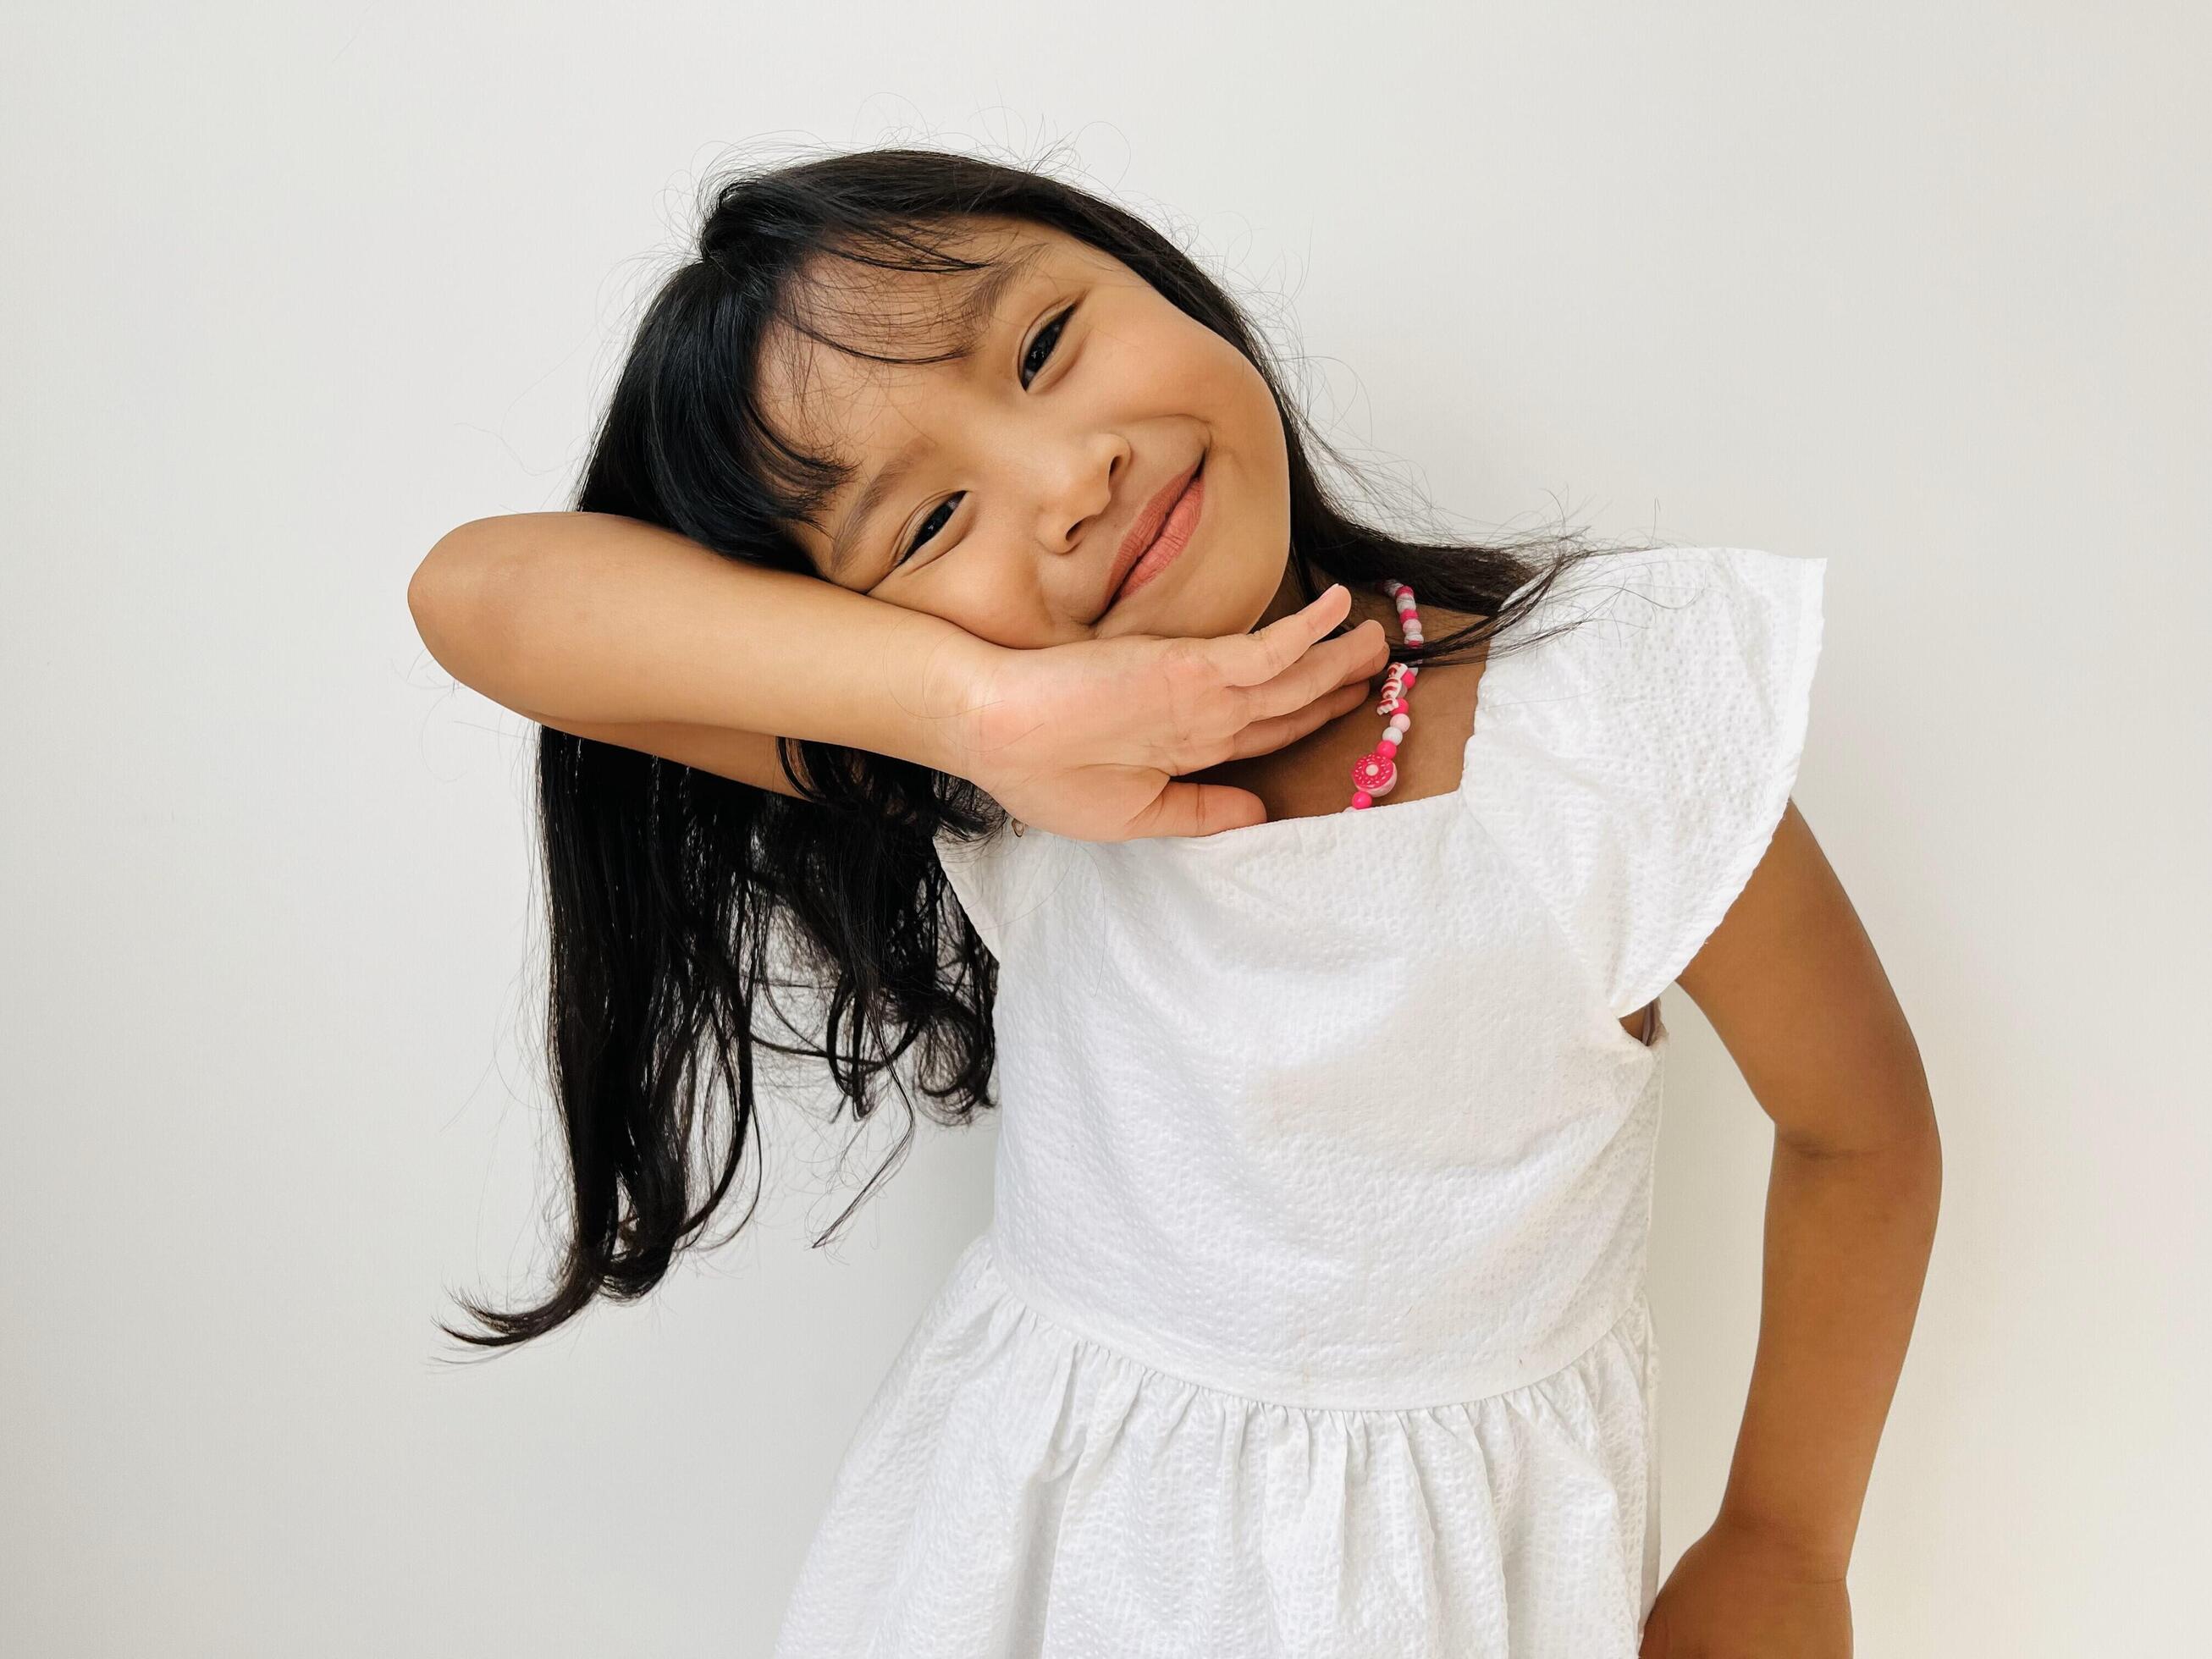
x=1310, y=1320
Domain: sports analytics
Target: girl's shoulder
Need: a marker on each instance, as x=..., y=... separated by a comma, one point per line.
x=1637, y=750
x=1665, y=659
x=1662, y=610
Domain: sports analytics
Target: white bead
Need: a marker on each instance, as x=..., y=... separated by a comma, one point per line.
x=1402, y=722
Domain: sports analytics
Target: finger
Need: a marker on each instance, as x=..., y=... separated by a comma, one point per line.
x=1264, y=736
x=1251, y=659
x=1356, y=657
x=1364, y=653
x=1198, y=809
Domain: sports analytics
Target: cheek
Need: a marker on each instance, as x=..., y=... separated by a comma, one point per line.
x=999, y=606
x=1201, y=370
x=1256, y=404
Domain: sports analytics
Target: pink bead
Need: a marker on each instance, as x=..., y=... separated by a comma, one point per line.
x=1360, y=798
x=1373, y=774
x=1387, y=749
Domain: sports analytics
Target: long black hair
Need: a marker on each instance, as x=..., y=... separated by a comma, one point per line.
x=674, y=894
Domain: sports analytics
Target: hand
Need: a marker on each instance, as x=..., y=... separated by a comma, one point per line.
x=1087, y=739
x=1738, y=1593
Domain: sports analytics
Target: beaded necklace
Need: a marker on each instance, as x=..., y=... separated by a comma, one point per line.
x=1375, y=774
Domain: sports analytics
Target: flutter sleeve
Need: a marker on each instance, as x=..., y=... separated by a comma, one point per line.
x=1636, y=766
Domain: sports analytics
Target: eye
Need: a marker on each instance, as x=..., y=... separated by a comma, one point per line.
x=924, y=532
x=1048, y=338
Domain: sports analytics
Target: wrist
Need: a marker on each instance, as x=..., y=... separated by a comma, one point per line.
x=1787, y=1549
x=938, y=688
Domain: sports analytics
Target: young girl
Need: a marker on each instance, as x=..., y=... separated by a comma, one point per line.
x=951, y=606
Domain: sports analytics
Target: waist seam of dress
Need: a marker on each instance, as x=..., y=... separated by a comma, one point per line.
x=1045, y=1310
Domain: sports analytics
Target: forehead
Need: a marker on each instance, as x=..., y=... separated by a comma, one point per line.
x=843, y=319
x=821, y=377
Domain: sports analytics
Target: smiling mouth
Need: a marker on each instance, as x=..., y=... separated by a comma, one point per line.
x=1173, y=536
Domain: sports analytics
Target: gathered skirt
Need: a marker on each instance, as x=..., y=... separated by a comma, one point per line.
x=1017, y=1488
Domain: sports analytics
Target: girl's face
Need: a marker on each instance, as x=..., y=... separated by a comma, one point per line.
x=1014, y=483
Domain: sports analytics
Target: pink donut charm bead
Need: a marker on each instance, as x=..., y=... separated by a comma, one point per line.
x=1373, y=774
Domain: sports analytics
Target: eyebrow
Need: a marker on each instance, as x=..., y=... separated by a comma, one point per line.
x=871, y=497
x=982, y=302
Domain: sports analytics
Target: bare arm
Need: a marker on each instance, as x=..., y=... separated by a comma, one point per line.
x=614, y=629
x=747, y=756
x=1792, y=985
x=544, y=612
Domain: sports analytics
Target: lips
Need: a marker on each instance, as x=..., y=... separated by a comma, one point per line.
x=1146, y=529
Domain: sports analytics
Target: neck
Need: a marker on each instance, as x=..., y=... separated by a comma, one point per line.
x=1365, y=602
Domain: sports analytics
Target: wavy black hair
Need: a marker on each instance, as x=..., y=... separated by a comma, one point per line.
x=674, y=894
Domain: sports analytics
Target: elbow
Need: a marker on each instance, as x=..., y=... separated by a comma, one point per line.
x=425, y=599
x=1881, y=1106
x=1913, y=1118
x=1889, y=1143
x=451, y=596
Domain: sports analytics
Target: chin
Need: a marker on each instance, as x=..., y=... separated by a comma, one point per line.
x=1211, y=615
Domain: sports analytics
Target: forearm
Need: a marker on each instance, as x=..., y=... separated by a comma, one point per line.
x=1847, y=1242
x=575, y=617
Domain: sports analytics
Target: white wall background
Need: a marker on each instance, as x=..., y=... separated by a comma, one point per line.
x=291, y=289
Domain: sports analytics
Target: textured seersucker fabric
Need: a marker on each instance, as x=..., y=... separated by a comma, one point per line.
x=1310, y=1320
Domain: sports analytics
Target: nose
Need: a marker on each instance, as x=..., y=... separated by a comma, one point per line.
x=1087, y=476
